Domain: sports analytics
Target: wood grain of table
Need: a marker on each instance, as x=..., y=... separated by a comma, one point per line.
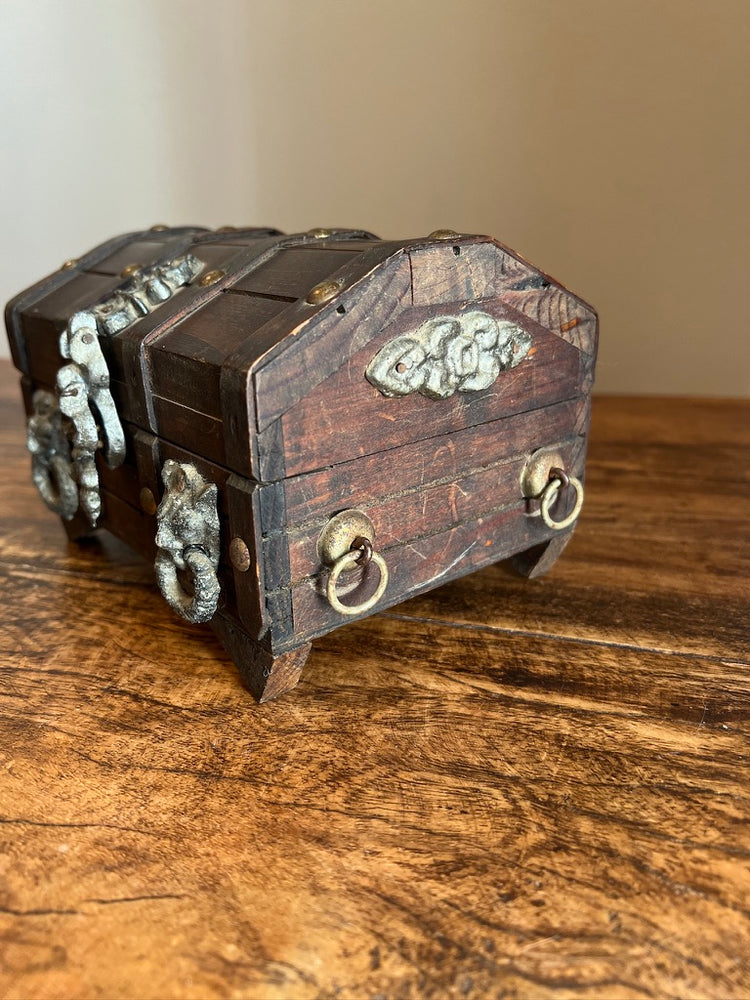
x=503, y=788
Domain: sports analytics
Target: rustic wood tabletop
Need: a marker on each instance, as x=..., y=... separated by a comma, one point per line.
x=503, y=788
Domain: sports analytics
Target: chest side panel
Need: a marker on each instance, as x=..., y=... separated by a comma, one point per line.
x=347, y=415
x=440, y=507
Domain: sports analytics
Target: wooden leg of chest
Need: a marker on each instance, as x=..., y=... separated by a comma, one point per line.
x=540, y=560
x=266, y=675
x=77, y=528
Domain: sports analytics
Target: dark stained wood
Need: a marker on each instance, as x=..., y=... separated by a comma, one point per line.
x=321, y=494
x=425, y=562
x=292, y=272
x=409, y=514
x=502, y=788
x=346, y=415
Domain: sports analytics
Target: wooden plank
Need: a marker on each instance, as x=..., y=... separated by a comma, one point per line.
x=346, y=415
x=321, y=494
x=293, y=271
x=409, y=515
x=442, y=275
x=188, y=428
x=186, y=362
x=141, y=252
x=423, y=564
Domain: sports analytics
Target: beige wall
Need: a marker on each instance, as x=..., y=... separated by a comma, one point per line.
x=605, y=139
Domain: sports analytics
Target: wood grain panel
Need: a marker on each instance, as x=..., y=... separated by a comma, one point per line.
x=542, y=792
x=323, y=493
x=293, y=271
x=408, y=515
x=424, y=563
x=346, y=415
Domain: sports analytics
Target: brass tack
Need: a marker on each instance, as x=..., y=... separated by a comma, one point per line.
x=148, y=503
x=319, y=234
x=129, y=270
x=159, y=228
x=240, y=555
x=225, y=229
x=210, y=278
x=323, y=292
x=66, y=265
x=443, y=234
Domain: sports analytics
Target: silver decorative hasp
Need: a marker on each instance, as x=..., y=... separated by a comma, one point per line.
x=64, y=433
x=446, y=354
x=187, y=536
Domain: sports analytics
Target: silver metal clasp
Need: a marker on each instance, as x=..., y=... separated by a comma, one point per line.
x=64, y=433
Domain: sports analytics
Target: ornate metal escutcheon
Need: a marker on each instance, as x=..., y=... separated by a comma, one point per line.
x=187, y=536
x=446, y=354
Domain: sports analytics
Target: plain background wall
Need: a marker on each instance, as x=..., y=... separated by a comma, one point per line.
x=607, y=140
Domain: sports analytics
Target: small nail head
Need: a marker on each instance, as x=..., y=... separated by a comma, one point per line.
x=443, y=234
x=148, y=502
x=129, y=270
x=210, y=278
x=240, y=555
x=319, y=234
x=323, y=292
x=67, y=264
x=159, y=228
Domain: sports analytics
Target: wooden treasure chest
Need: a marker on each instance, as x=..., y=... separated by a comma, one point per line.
x=302, y=430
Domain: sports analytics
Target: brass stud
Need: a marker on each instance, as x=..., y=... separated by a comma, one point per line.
x=129, y=270
x=159, y=228
x=240, y=555
x=319, y=234
x=323, y=292
x=225, y=229
x=148, y=503
x=66, y=265
x=210, y=278
x=443, y=234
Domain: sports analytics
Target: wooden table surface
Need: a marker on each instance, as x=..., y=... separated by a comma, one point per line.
x=501, y=789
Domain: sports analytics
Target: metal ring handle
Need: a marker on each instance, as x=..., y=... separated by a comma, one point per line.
x=201, y=605
x=52, y=478
x=349, y=560
x=549, y=495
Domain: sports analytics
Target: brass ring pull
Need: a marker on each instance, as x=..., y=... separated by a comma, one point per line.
x=349, y=560
x=557, y=480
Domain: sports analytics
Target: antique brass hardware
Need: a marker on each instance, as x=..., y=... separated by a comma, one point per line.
x=323, y=293
x=543, y=478
x=187, y=537
x=345, y=543
x=147, y=501
x=210, y=278
x=239, y=554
